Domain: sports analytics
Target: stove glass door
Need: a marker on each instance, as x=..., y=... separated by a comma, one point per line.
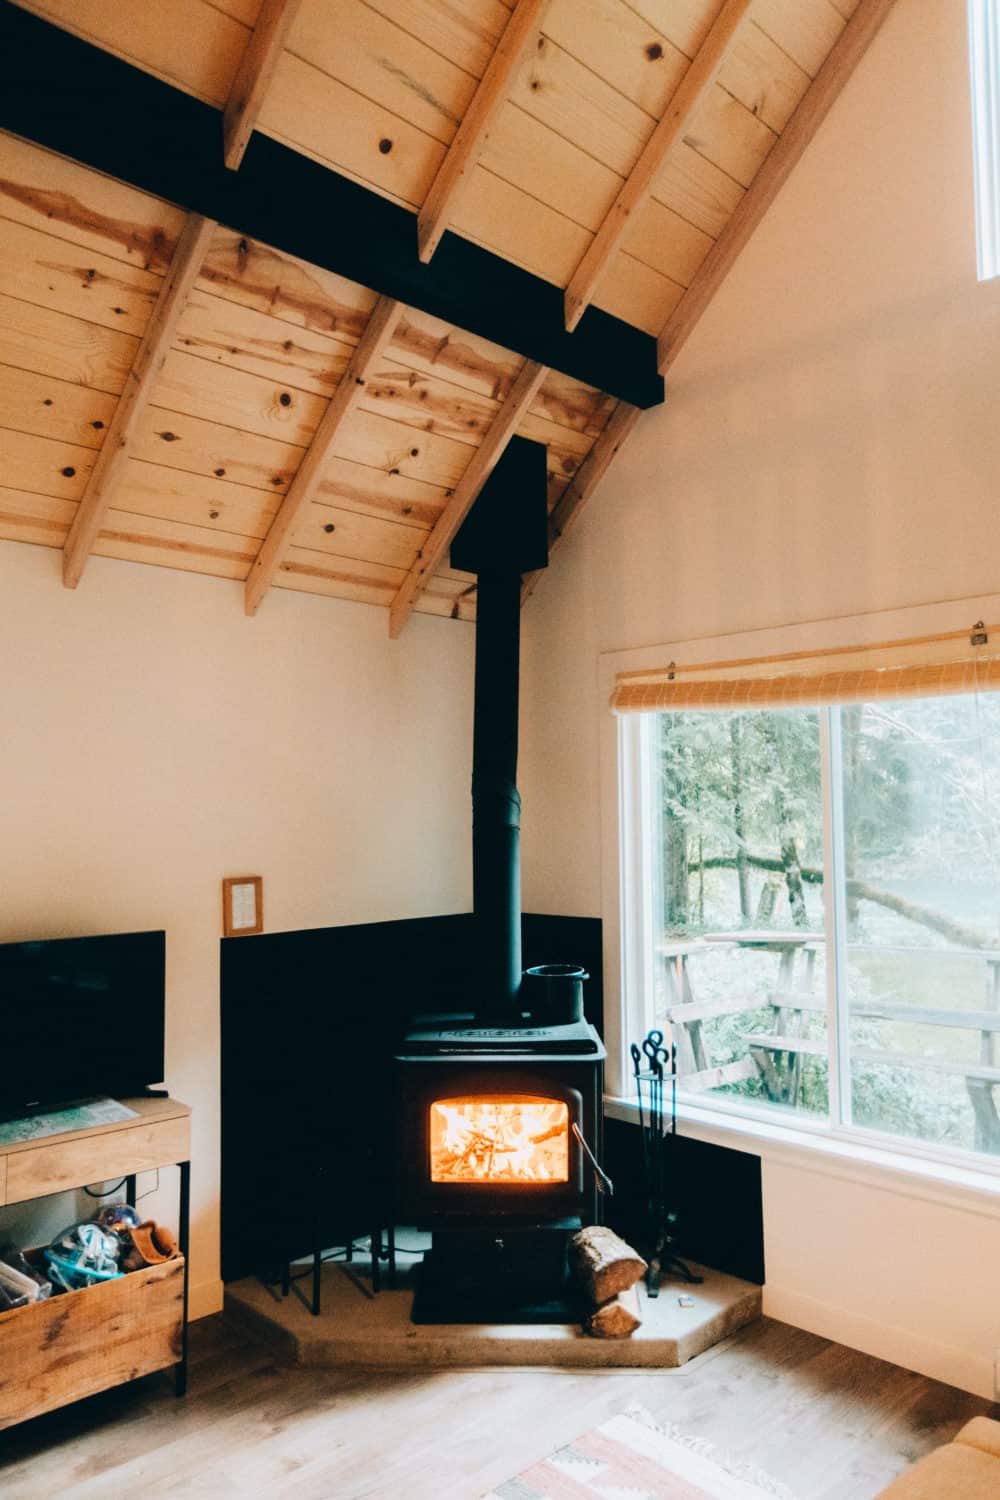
x=490, y=1138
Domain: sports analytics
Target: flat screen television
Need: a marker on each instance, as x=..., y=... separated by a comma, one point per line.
x=80, y=1016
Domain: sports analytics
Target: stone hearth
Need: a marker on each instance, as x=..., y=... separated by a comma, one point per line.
x=358, y=1329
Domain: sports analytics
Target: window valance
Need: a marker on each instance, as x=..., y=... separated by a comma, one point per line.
x=963, y=661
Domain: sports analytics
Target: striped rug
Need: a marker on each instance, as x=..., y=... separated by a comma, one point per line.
x=628, y=1458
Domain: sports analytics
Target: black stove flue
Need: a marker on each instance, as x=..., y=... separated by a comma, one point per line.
x=496, y=802
x=504, y=536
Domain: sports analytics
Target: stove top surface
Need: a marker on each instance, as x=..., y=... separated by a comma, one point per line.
x=578, y=1039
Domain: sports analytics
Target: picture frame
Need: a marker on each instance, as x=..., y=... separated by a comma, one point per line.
x=242, y=905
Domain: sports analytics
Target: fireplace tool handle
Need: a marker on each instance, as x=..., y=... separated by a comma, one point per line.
x=604, y=1183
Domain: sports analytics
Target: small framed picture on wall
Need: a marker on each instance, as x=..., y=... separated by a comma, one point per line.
x=242, y=905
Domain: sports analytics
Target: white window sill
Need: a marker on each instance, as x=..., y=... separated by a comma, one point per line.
x=942, y=1183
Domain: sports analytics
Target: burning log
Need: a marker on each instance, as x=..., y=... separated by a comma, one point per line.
x=603, y=1264
x=617, y=1319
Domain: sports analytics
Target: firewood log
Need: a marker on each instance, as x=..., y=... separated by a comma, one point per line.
x=603, y=1264
x=617, y=1319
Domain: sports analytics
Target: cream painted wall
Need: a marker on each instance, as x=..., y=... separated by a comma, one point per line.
x=829, y=446
x=155, y=739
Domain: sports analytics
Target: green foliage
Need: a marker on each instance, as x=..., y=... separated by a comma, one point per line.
x=921, y=785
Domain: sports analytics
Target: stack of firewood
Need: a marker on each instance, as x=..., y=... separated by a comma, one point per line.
x=606, y=1270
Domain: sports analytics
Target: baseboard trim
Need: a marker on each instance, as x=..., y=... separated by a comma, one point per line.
x=204, y=1299
x=900, y=1346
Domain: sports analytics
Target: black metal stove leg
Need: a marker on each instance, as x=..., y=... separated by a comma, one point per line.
x=391, y=1237
x=317, y=1243
x=317, y=1272
x=376, y=1258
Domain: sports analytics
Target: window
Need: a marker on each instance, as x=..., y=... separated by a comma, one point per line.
x=984, y=62
x=811, y=903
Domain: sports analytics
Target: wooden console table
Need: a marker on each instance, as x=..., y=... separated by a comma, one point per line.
x=77, y=1343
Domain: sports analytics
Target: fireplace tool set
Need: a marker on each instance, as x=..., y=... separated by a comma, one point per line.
x=658, y=1128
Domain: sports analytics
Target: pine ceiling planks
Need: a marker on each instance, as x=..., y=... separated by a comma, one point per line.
x=118, y=435
x=686, y=103
x=261, y=343
x=378, y=89
x=520, y=36
x=322, y=446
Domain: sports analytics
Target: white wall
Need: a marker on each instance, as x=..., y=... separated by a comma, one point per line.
x=829, y=446
x=154, y=739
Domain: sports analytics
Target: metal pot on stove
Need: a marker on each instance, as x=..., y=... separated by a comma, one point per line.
x=552, y=994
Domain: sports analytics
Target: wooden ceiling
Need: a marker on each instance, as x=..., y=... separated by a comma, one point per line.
x=610, y=148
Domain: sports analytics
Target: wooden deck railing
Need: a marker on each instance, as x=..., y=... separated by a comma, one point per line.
x=776, y=1056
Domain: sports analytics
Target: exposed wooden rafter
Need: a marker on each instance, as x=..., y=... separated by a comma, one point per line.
x=253, y=76
x=109, y=468
x=585, y=481
x=484, y=460
x=71, y=96
x=303, y=489
x=680, y=112
x=847, y=52
x=519, y=37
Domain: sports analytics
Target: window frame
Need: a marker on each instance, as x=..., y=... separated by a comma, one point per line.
x=984, y=88
x=627, y=860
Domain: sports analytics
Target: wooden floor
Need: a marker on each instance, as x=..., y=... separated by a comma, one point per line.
x=830, y=1423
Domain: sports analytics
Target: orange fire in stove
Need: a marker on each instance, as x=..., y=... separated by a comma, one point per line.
x=513, y=1138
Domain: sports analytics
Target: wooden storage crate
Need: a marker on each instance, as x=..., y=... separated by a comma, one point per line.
x=77, y=1343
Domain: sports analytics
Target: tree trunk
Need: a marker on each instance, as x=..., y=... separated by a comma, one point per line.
x=786, y=836
x=925, y=916
x=850, y=726
x=676, y=912
x=914, y=911
x=739, y=826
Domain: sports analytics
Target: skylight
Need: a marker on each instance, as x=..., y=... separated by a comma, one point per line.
x=984, y=50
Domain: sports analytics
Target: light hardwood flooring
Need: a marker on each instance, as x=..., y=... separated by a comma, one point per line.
x=831, y=1423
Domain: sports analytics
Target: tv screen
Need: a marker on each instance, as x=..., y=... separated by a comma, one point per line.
x=80, y=1016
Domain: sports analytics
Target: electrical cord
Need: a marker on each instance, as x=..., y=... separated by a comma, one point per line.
x=149, y=1191
x=107, y=1191
x=139, y=1196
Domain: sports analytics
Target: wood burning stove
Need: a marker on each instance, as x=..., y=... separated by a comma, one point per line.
x=494, y=1129
x=499, y=1110
x=492, y=1121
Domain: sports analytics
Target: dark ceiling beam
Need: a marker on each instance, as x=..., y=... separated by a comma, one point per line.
x=75, y=98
